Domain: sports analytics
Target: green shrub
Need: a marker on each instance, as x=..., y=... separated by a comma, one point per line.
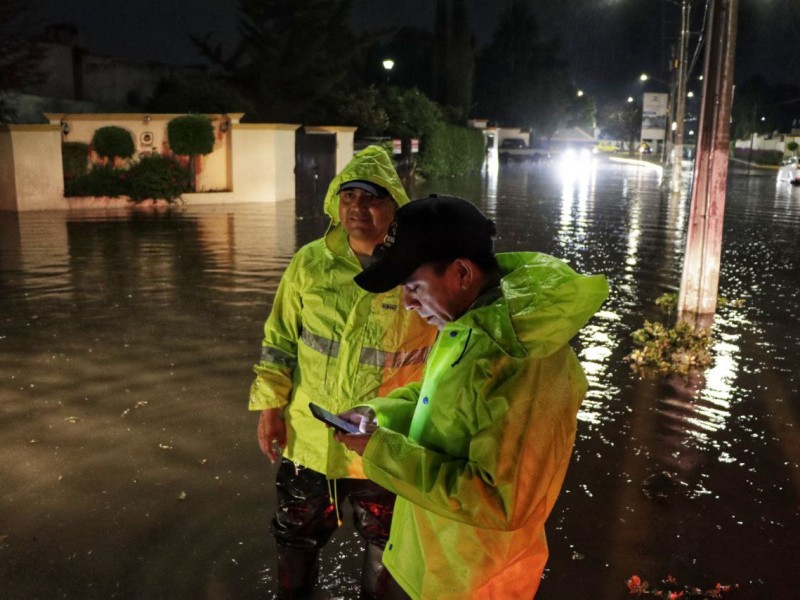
x=112, y=142
x=74, y=159
x=451, y=151
x=155, y=176
x=102, y=180
x=191, y=135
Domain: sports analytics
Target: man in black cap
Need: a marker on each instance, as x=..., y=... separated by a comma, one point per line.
x=477, y=451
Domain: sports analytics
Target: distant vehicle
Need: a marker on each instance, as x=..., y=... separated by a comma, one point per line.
x=790, y=170
x=605, y=148
x=516, y=150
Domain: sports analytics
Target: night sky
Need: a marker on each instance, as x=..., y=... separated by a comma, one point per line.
x=607, y=42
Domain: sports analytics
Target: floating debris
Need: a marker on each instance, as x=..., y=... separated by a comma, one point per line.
x=671, y=590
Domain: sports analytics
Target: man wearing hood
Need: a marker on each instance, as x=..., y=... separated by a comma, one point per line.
x=328, y=341
x=478, y=450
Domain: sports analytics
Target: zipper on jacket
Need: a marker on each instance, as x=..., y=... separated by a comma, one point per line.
x=464, y=349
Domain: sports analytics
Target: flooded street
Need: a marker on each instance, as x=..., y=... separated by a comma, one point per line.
x=129, y=466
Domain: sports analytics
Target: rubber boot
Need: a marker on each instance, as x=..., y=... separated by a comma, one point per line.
x=298, y=571
x=374, y=575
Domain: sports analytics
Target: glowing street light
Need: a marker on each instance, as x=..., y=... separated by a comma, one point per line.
x=646, y=77
x=388, y=65
x=580, y=93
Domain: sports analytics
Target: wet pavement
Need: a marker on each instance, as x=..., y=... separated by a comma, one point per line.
x=128, y=461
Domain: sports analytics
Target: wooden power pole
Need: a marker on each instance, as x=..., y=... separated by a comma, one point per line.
x=697, y=301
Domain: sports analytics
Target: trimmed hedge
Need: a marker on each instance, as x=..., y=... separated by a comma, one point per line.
x=761, y=157
x=451, y=150
x=112, y=141
x=153, y=177
x=102, y=180
x=191, y=135
x=74, y=159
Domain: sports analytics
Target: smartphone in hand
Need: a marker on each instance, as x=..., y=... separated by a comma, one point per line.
x=331, y=419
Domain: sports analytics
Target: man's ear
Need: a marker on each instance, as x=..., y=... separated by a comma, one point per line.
x=464, y=271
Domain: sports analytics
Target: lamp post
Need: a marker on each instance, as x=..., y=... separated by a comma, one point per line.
x=388, y=65
x=680, y=99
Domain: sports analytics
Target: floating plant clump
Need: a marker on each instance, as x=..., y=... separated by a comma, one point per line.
x=670, y=589
x=662, y=351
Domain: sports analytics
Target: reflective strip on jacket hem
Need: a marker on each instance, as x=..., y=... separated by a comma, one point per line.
x=393, y=360
x=279, y=357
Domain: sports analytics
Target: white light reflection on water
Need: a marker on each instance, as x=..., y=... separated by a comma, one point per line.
x=577, y=177
x=577, y=209
x=491, y=170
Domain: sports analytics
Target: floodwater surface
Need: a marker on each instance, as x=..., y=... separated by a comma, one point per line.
x=129, y=466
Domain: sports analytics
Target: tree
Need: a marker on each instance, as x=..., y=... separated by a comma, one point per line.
x=366, y=110
x=759, y=107
x=454, y=57
x=521, y=80
x=192, y=136
x=197, y=93
x=623, y=122
x=293, y=56
x=20, y=55
x=411, y=113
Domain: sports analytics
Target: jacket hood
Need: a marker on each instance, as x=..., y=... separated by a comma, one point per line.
x=373, y=164
x=547, y=304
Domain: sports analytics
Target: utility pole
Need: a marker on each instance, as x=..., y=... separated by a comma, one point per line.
x=680, y=99
x=697, y=301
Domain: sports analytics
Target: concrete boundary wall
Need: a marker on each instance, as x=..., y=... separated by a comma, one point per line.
x=251, y=162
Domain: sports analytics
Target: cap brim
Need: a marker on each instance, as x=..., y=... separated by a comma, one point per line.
x=383, y=275
x=367, y=186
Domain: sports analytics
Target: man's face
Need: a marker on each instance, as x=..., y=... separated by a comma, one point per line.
x=437, y=296
x=365, y=218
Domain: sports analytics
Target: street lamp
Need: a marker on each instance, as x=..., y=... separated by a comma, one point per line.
x=388, y=64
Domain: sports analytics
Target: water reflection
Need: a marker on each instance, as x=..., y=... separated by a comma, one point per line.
x=126, y=343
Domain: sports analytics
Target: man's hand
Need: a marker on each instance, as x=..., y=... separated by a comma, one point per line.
x=356, y=442
x=272, y=433
x=363, y=416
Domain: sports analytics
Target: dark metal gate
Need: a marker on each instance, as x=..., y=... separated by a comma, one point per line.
x=315, y=167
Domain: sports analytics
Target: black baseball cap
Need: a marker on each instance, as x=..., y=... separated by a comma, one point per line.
x=432, y=229
x=363, y=184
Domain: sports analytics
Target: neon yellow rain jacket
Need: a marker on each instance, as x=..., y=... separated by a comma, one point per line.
x=329, y=341
x=477, y=451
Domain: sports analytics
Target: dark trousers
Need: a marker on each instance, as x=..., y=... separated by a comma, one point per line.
x=306, y=519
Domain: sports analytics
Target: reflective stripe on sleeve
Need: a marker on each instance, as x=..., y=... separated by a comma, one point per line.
x=279, y=357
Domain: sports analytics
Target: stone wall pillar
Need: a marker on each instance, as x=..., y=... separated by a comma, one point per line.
x=31, y=172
